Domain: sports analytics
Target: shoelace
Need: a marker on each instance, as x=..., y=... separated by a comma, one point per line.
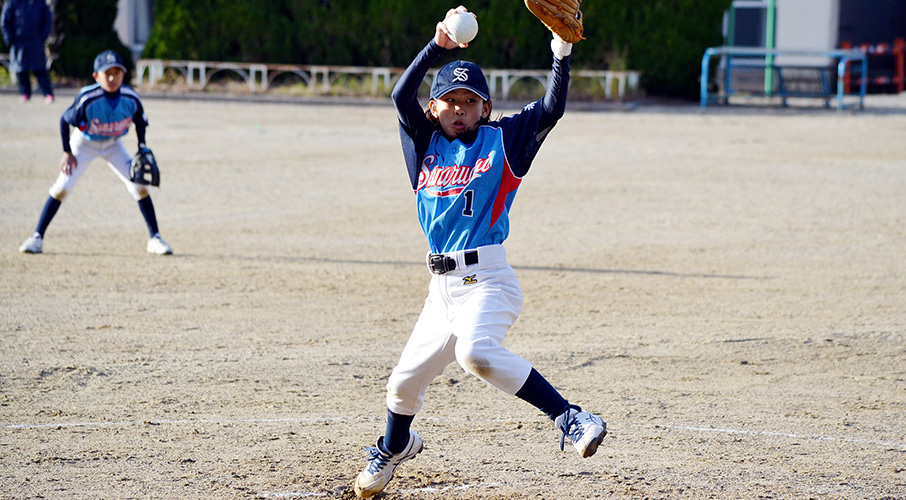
x=570, y=426
x=377, y=459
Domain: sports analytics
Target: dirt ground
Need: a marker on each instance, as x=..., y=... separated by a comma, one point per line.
x=727, y=289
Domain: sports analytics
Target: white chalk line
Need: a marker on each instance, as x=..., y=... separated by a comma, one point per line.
x=791, y=435
x=302, y=420
x=317, y=420
x=291, y=494
x=126, y=423
x=428, y=489
x=444, y=489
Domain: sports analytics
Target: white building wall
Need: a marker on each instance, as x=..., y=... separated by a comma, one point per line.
x=807, y=25
x=133, y=24
x=123, y=23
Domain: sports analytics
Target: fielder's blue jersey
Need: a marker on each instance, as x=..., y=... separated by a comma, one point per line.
x=101, y=115
x=464, y=190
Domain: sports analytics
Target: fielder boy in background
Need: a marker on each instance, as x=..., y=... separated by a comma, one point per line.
x=102, y=114
x=464, y=170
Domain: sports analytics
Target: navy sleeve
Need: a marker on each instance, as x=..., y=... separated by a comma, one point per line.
x=70, y=117
x=140, y=133
x=554, y=101
x=415, y=128
x=405, y=93
x=64, y=134
x=140, y=121
x=73, y=114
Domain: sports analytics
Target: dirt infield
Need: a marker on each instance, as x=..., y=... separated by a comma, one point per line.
x=727, y=289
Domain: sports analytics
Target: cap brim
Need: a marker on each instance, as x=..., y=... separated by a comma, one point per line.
x=457, y=87
x=108, y=66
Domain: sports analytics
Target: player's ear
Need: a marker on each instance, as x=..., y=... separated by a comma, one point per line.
x=486, y=108
x=432, y=106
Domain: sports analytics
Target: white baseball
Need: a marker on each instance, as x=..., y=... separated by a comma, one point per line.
x=462, y=27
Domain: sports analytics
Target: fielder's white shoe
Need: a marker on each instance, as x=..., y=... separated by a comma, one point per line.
x=585, y=430
x=381, y=466
x=34, y=244
x=158, y=246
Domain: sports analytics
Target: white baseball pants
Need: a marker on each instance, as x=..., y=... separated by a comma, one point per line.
x=466, y=316
x=85, y=151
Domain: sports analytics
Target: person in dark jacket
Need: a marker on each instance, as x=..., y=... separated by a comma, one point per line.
x=26, y=25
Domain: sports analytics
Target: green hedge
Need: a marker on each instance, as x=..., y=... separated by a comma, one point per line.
x=665, y=39
x=84, y=29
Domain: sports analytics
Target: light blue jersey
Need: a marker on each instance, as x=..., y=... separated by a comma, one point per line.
x=101, y=115
x=464, y=190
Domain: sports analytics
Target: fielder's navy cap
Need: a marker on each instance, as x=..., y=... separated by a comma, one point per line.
x=108, y=59
x=460, y=75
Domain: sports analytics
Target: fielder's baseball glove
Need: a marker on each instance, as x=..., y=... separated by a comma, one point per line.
x=144, y=164
x=562, y=17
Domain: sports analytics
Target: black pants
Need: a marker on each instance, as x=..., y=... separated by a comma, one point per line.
x=25, y=82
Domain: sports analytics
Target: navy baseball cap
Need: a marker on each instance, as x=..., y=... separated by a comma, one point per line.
x=460, y=75
x=108, y=59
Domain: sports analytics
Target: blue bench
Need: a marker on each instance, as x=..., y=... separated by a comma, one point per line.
x=736, y=58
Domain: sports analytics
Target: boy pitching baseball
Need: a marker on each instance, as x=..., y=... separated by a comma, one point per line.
x=102, y=114
x=464, y=170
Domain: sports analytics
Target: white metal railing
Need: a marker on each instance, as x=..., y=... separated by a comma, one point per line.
x=616, y=84
x=318, y=78
x=258, y=77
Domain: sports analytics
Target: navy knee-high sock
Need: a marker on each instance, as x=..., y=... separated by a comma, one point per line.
x=396, y=436
x=538, y=392
x=50, y=209
x=147, y=209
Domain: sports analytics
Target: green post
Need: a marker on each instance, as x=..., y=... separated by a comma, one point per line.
x=731, y=27
x=769, y=43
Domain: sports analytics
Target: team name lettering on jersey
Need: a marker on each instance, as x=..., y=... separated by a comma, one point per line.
x=450, y=176
x=112, y=129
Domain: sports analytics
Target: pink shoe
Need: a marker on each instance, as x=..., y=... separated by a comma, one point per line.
x=24, y=98
x=48, y=99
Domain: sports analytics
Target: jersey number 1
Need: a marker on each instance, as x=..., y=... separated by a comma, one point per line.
x=467, y=211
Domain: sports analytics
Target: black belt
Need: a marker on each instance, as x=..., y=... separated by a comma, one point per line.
x=441, y=264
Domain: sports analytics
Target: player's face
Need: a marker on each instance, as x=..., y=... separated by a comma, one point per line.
x=111, y=79
x=459, y=111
